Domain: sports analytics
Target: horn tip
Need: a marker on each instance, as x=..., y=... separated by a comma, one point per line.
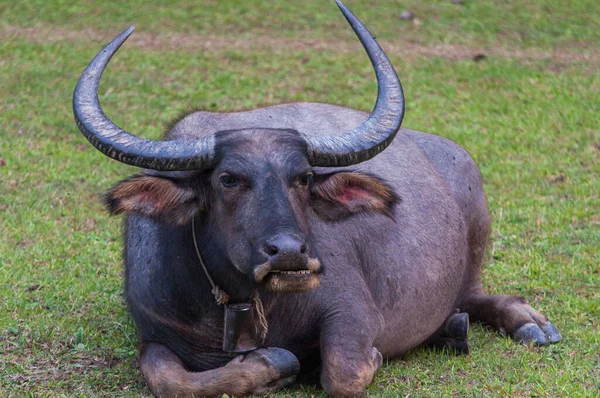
x=125, y=34
x=350, y=17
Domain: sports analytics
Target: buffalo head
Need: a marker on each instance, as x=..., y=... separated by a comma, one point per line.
x=254, y=189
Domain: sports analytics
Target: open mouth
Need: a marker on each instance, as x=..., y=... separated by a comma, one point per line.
x=290, y=280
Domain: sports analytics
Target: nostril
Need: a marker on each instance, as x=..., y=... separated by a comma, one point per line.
x=271, y=250
x=285, y=247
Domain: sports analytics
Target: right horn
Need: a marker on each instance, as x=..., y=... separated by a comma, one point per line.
x=378, y=131
x=125, y=147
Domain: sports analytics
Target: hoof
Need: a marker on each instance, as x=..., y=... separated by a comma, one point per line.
x=453, y=334
x=460, y=346
x=530, y=333
x=274, y=368
x=552, y=333
x=457, y=325
x=283, y=361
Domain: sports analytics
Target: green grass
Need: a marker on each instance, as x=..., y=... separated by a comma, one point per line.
x=531, y=124
x=513, y=23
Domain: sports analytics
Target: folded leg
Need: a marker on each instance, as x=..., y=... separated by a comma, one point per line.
x=511, y=316
x=259, y=371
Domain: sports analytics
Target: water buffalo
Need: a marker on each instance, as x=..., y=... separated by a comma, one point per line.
x=259, y=239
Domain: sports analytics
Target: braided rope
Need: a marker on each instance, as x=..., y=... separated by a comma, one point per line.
x=262, y=327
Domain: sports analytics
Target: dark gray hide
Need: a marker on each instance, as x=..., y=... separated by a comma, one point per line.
x=400, y=241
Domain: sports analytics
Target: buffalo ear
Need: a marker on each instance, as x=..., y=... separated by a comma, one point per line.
x=174, y=201
x=337, y=196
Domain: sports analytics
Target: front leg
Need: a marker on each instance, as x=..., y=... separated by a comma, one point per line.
x=349, y=360
x=262, y=370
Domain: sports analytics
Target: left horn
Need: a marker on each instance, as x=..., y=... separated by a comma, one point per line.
x=378, y=131
x=125, y=147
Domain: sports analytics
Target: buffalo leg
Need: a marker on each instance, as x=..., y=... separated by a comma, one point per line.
x=511, y=316
x=262, y=370
x=349, y=360
x=452, y=334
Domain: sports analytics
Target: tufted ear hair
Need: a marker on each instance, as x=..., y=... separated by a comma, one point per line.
x=340, y=195
x=173, y=198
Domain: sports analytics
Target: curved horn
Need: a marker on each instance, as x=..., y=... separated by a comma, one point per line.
x=378, y=131
x=120, y=145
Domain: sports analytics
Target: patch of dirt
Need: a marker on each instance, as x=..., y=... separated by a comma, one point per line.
x=557, y=58
x=558, y=178
x=25, y=243
x=82, y=147
x=58, y=369
x=54, y=361
x=33, y=288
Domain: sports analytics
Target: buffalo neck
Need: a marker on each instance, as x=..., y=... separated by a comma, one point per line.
x=237, y=285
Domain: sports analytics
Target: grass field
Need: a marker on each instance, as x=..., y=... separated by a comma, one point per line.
x=528, y=111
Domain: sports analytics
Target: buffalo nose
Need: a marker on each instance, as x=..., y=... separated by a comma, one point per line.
x=286, y=250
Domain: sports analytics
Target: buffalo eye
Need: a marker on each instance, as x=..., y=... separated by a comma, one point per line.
x=306, y=179
x=228, y=181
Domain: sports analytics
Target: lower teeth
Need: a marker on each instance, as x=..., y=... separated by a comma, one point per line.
x=303, y=272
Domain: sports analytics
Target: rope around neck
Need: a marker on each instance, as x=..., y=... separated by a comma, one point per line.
x=222, y=298
x=261, y=326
